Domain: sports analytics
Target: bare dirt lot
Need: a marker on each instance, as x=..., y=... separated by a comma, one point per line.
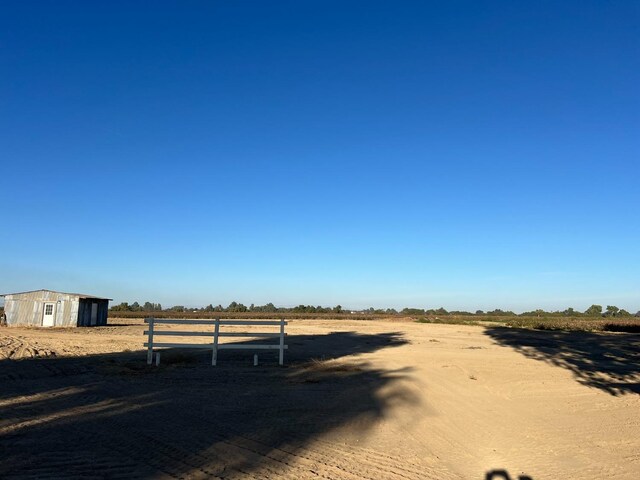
x=355, y=400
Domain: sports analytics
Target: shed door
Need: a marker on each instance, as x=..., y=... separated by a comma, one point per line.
x=48, y=316
x=94, y=313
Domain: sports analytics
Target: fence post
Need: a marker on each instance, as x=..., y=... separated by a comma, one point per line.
x=214, y=358
x=150, y=341
x=281, y=360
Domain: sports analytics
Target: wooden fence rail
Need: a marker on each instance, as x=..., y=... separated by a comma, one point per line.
x=152, y=332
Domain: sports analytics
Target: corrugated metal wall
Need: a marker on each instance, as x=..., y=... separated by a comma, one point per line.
x=26, y=309
x=84, y=312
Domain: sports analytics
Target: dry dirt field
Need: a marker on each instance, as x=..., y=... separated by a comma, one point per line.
x=355, y=400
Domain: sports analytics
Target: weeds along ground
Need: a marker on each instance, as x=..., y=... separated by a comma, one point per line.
x=587, y=324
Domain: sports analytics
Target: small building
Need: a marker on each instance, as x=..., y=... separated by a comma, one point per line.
x=47, y=308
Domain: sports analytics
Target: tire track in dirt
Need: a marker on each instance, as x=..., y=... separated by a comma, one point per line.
x=224, y=457
x=380, y=460
x=136, y=451
x=305, y=459
x=197, y=454
x=15, y=348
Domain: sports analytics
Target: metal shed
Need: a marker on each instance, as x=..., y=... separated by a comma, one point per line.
x=48, y=308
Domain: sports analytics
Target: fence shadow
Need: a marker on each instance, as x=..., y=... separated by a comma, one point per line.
x=113, y=416
x=609, y=362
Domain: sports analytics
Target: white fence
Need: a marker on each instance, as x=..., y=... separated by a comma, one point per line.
x=214, y=346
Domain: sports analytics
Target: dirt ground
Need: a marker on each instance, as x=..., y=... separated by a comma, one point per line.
x=355, y=400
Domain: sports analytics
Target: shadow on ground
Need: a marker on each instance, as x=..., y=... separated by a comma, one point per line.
x=610, y=362
x=112, y=416
x=501, y=474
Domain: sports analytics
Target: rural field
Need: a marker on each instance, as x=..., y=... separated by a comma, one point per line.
x=356, y=399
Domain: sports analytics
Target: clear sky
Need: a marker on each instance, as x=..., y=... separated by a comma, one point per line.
x=388, y=154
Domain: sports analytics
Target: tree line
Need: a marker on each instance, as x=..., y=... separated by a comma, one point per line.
x=236, y=307
x=232, y=307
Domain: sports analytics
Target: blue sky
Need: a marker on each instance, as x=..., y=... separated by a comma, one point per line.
x=388, y=154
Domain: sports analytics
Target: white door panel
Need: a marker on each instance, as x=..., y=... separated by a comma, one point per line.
x=49, y=315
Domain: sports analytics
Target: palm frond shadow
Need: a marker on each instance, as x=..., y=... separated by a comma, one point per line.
x=115, y=416
x=609, y=362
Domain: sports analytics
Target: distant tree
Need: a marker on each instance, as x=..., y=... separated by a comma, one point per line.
x=594, y=310
x=301, y=309
x=236, y=307
x=479, y=312
x=498, y=312
x=412, y=311
x=539, y=312
x=337, y=309
x=569, y=312
x=612, y=311
x=177, y=308
x=269, y=308
x=209, y=308
x=441, y=311
x=391, y=311
x=623, y=313
x=123, y=307
x=148, y=307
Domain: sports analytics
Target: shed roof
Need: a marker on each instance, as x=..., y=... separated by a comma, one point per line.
x=81, y=295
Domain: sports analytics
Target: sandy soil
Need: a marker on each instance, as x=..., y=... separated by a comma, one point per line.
x=356, y=400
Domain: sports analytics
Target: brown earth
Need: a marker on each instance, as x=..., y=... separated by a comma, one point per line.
x=355, y=400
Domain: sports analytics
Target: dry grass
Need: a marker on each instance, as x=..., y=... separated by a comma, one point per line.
x=631, y=325
x=452, y=320
x=588, y=324
x=317, y=370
